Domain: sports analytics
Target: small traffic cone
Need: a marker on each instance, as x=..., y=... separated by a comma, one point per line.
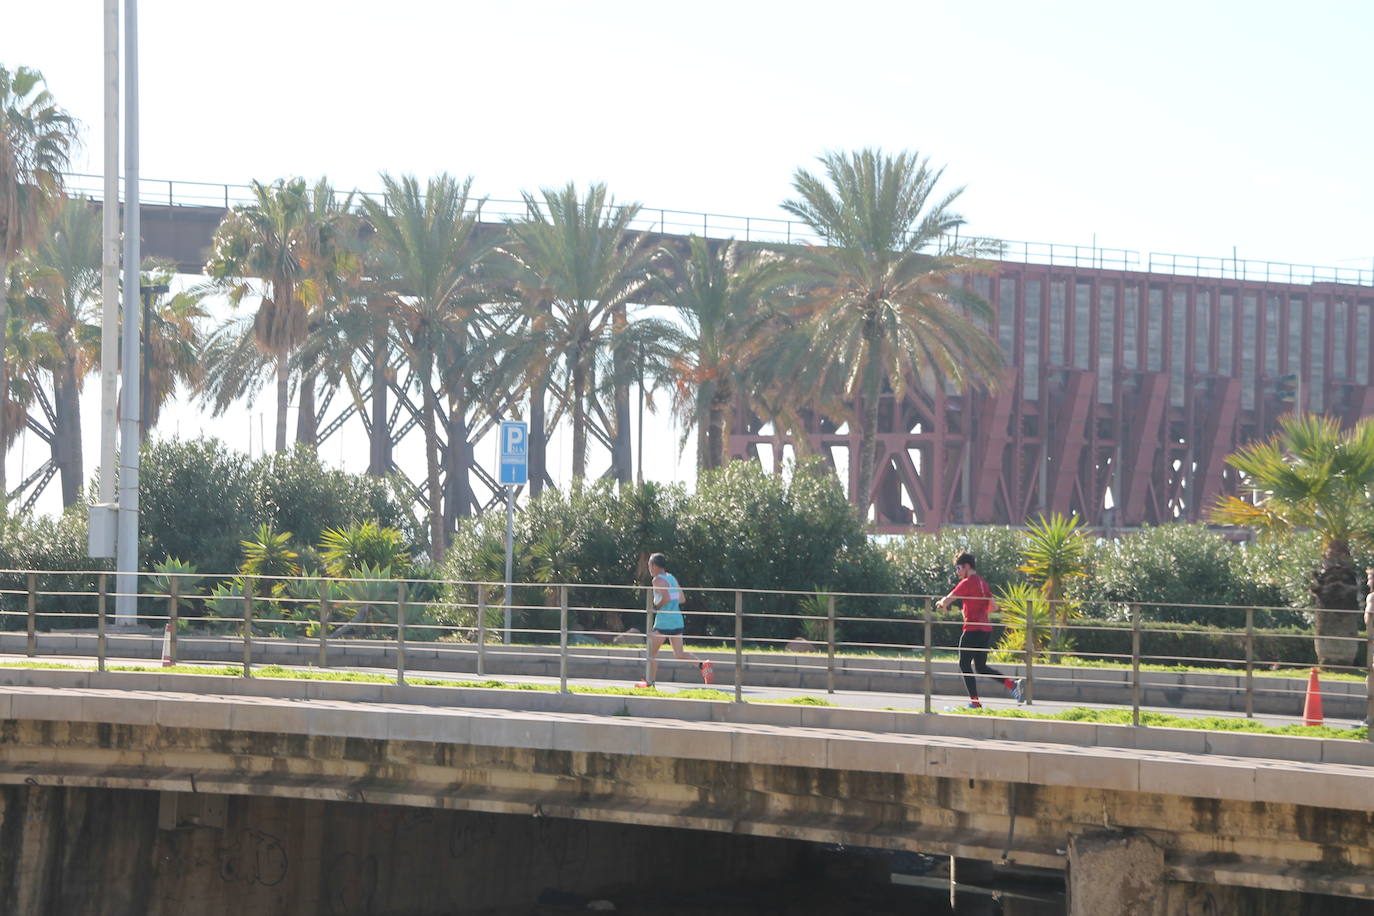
x=167, y=646
x=1312, y=709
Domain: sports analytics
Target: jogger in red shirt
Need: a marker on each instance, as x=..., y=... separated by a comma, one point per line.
x=977, y=604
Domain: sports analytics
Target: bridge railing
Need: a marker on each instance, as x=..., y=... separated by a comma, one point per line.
x=779, y=230
x=1247, y=660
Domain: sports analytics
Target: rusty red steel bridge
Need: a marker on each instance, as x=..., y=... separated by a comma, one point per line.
x=1125, y=392
x=1130, y=377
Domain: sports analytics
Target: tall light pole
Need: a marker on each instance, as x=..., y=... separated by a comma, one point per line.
x=126, y=546
x=104, y=513
x=109, y=265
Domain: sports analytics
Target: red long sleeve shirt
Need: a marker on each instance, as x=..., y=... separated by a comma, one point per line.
x=975, y=598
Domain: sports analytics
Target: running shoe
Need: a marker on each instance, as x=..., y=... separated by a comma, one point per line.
x=708, y=674
x=1018, y=690
x=643, y=683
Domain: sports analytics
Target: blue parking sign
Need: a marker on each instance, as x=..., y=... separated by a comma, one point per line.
x=513, y=453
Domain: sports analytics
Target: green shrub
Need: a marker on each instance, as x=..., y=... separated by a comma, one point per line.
x=924, y=563
x=1169, y=567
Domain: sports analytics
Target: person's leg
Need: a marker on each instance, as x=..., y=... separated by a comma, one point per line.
x=966, y=653
x=980, y=662
x=678, y=650
x=655, y=643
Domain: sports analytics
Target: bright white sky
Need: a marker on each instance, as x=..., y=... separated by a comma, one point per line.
x=1164, y=126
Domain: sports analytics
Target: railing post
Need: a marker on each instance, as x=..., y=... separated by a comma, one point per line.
x=247, y=627
x=1249, y=663
x=739, y=647
x=1369, y=684
x=1135, y=664
x=100, y=625
x=830, y=646
x=173, y=612
x=32, y=645
x=648, y=627
x=481, y=631
x=324, y=623
x=562, y=639
x=1028, y=688
x=400, y=634
x=930, y=653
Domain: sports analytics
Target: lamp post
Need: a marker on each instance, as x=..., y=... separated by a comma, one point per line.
x=126, y=543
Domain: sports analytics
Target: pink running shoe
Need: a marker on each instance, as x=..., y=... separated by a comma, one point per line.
x=708, y=674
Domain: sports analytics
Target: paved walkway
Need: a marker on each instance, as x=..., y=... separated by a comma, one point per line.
x=993, y=699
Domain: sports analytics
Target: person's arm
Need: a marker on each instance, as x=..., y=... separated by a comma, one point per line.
x=1369, y=613
x=953, y=593
x=660, y=592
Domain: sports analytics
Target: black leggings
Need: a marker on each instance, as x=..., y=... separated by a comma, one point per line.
x=973, y=653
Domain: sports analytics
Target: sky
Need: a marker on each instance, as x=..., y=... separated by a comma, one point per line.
x=1168, y=126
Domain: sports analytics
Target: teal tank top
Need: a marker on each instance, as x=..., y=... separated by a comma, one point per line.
x=670, y=615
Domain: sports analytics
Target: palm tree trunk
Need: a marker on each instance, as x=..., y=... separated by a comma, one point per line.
x=435, y=494
x=283, y=399
x=622, y=453
x=703, y=434
x=67, y=433
x=720, y=403
x=4, y=373
x=379, y=458
x=579, y=408
x=458, y=501
x=868, y=436
x=1336, y=589
x=307, y=430
x=538, y=441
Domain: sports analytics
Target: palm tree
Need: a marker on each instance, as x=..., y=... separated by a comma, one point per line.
x=36, y=142
x=62, y=279
x=1056, y=553
x=174, y=342
x=1314, y=475
x=725, y=295
x=280, y=241
x=882, y=303
x=437, y=257
x=337, y=273
x=578, y=267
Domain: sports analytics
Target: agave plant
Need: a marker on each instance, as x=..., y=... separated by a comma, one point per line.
x=268, y=558
x=371, y=593
x=816, y=609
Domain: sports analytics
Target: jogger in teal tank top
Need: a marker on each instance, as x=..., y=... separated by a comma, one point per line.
x=668, y=622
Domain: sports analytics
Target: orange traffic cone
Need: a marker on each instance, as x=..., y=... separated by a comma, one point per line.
x=167, y=646
x=1312, y=709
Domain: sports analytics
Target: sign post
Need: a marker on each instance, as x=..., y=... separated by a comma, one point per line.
x=512, y=460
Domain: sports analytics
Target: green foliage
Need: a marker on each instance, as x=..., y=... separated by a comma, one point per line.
x=741, y=528
x=195, y=502
x=924, y=563
x=1168, y=567
x=47, y=543
x=1020, y=602
x=201, y=499
x=296, y=491
x=365, y=544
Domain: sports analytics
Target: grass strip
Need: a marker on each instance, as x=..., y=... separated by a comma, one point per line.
x=1165, y=720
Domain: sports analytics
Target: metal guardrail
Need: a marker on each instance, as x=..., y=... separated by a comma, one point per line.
x=878, y=636
x=775, y=230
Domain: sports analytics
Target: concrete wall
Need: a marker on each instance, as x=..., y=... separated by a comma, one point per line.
x=101, y=852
